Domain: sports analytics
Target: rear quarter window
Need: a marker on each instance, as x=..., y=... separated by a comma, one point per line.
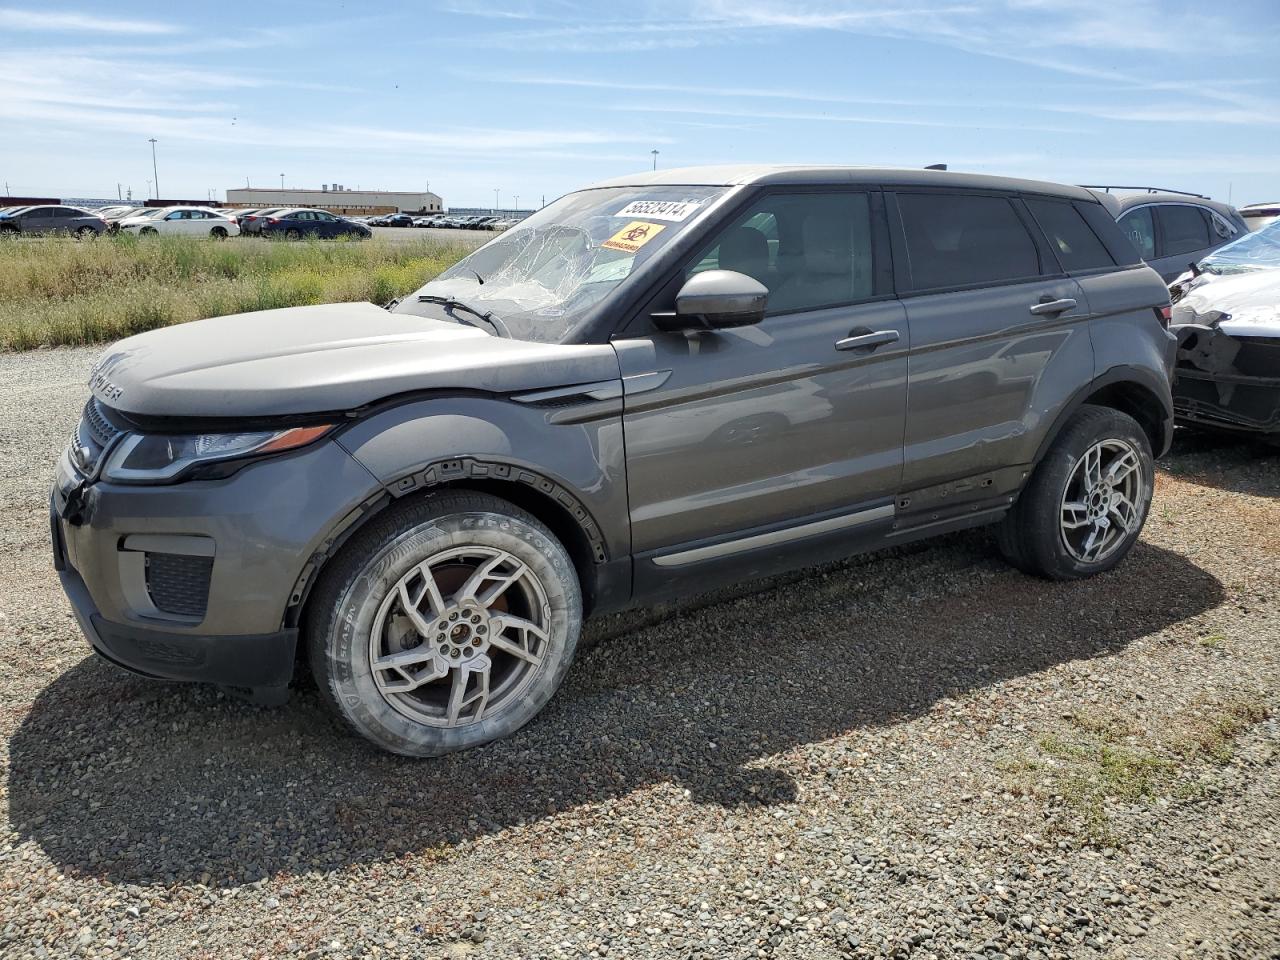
x=956, y=240
x=1185, y=229
x=1109, y=232
x=1072, y=239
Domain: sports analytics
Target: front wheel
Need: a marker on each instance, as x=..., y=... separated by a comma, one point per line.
x=147, y=232
x=447, y=623
x=1087, y=501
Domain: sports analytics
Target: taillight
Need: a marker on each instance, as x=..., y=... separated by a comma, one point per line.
x=272, y=220
x=1164, y=315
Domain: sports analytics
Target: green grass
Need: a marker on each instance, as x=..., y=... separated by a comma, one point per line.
x=59, y=292
x=1104, y=758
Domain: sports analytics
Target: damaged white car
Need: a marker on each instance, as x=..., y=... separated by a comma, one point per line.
x=1226, y=315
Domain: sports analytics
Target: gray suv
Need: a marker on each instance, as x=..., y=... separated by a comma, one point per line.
x=650, y=387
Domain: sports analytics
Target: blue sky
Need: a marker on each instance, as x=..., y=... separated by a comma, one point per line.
x=536, y=97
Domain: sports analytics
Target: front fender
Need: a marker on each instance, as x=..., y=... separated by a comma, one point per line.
x=436, y=439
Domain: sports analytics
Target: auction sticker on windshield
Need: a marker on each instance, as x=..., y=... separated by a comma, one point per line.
x=674, y=210
x=633, y=236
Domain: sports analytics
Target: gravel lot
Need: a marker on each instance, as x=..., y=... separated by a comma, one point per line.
x=918, y=753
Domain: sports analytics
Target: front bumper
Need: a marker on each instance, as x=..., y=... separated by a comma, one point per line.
x=222, y=619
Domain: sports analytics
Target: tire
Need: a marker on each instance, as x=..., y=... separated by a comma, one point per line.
x=86, y=233
x=292, y=235
x=358, y=616
x=218, y=233
x=148, y=232
x=1047, y=532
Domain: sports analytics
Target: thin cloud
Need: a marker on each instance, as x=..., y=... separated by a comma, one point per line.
x=12, y=18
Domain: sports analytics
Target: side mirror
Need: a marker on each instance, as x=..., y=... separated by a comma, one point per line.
x=715, y=300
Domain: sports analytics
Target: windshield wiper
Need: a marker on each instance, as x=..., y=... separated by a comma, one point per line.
x=453, y=304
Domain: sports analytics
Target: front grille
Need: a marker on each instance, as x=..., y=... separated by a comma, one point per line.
x=93, y=435
x=179, y=584
x=102, y=429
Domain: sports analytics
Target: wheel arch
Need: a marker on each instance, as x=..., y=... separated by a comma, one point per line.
x=1132, y=391
x=550, y=502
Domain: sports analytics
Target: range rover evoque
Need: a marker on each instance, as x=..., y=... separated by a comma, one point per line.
x=648, y=388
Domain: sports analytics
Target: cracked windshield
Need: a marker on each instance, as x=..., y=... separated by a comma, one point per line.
x=539, y=280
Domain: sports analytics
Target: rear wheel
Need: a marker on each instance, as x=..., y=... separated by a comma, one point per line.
x=86, y=233
x=446, y=624
x=292, y=235
x=1086, y=503
x=218, y=233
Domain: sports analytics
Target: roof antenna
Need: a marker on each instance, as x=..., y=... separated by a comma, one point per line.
x=936, y=166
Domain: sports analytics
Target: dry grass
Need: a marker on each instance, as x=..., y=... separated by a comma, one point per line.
x=1102, y=759
x=58, y=292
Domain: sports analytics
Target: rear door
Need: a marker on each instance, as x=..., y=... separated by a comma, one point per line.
x=1185, y=235
x=995, y=324
x=40, y=220
x=744, y=445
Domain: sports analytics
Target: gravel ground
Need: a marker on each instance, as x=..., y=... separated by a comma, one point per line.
x=917, y=753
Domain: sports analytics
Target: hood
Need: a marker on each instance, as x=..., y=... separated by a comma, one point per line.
x=1240, y=305
x=325, y=358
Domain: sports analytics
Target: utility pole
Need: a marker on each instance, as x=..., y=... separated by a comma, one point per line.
x=119, y=193
x=517, y=202
x=495, y=198
x=282, y=181
x=154, y=171
x=655, y=158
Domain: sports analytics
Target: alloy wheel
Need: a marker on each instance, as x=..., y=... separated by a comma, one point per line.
x=460, y=636
x=1102, y=501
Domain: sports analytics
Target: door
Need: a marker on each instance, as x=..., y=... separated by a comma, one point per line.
x=995, y=325
x=40, y=220
x=1185, y=235
x=781, y=425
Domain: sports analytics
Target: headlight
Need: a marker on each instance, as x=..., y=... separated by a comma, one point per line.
x=153, y=458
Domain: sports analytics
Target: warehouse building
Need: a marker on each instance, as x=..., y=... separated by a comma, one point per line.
x=337, y=199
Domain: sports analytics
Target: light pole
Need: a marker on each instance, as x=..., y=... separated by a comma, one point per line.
x=655, y=158
x=154, y=172
x=495, y=198
x=516, y=204
x=282, y=181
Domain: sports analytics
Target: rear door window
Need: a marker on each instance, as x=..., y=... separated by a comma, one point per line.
x=1139, y=226
x=1185, y=229
x=1075, y=243
x=956, y=240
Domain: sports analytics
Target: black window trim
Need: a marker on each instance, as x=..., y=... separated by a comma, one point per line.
x=902, y=262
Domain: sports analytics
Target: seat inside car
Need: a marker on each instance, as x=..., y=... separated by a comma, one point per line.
x=746, y=250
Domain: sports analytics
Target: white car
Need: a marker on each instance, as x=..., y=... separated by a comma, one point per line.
x=183, y=221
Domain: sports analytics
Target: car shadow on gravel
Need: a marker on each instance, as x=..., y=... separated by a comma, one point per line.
x=134, y=781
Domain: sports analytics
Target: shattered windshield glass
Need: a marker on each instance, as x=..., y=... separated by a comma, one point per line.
x=540, y=278
x=1253, y=251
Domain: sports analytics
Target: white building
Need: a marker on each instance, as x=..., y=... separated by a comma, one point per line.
x=338, y=200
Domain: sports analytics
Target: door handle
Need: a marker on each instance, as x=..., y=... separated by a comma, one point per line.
x=867, y=341
x=1047, y=308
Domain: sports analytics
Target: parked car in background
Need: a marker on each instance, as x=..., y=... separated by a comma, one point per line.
x=1259, y=215
x=1171, y=230
x=655, y=386
x=51, y=219
x=182, y=221
x=302, y=223
x=251, y=223
x=113, y=215
x=1226, y=316
x=397, y=220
